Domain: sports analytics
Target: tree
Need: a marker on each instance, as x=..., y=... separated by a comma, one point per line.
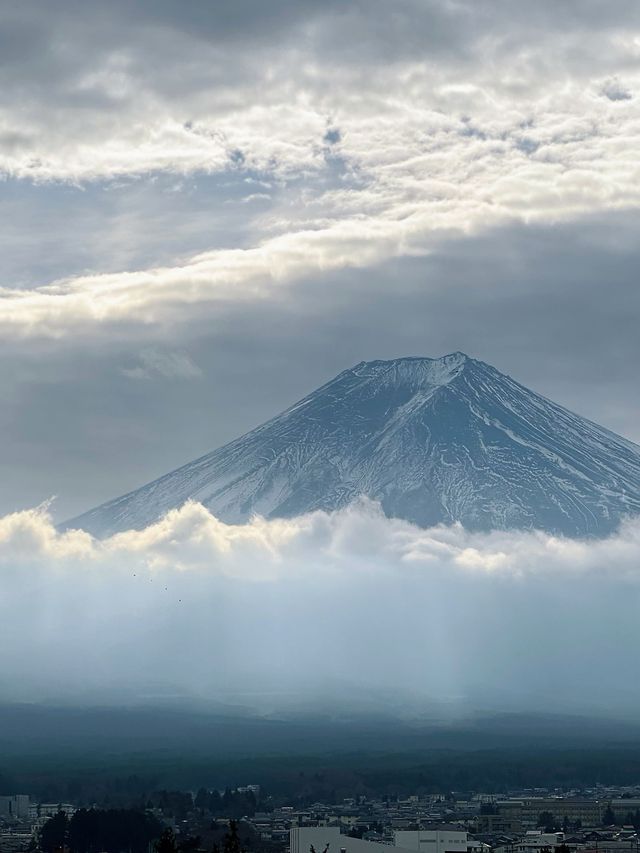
x=609, y=817
x=112, y=829
x=202, y=799
x=54, y=833
x=231, y=841
x=167, y=842
x=547, y=821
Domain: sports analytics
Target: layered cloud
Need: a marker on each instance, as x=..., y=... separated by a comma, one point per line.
x=201, y=608
x=382, y=130
x=134, y=89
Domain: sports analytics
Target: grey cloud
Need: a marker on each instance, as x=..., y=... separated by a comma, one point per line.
x=462, y=32
x=73, y=64
x=52, y=46
x=242, y=19
x=555, y=307
x=332, y=136
x=55, y=231
x=616, y=91
x=165, y=364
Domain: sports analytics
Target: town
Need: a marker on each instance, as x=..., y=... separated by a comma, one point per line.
x=595, y=820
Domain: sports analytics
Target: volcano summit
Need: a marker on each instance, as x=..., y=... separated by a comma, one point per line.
x=434, y=440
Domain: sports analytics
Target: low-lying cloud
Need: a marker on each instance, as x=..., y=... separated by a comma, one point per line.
x=193, y=606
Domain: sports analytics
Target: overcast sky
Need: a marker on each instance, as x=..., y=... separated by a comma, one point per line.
x=211, y=208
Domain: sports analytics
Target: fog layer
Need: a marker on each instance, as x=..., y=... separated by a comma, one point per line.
x=275, y=614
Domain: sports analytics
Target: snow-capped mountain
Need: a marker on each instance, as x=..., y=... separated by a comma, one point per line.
x=434, y=440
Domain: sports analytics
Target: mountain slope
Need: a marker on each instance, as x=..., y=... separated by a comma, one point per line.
x=434, y=440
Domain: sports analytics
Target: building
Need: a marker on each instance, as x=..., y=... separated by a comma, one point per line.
x=444, y=838
x=329, y=838
x=15, y=842
x=498, y=823
x=539, y=842
x=621, y=807
x=47, y=810
x=527, y=811
x=440, y=839
x=15, y=807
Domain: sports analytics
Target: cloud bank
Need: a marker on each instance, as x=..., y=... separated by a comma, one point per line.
x=200, y=608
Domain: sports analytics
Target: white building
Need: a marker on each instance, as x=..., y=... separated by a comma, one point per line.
x=538, y=842
x=440, y=839
x=302, y=839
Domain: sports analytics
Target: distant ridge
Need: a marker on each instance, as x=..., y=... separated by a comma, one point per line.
x=434, y=440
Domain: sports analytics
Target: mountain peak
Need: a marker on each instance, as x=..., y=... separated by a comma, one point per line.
x=451, y=360
x=434, y=440
x=417, y=371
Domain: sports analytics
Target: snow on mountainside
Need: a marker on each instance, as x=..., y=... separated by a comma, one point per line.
x=434, y=440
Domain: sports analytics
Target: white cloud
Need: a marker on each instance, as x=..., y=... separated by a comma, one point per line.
x=502, y=118
x=191, y=600
x=192, y=539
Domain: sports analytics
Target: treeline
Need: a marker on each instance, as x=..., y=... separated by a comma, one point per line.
x=232, y=804
x=303, y=779
x=502, y=770
x=180, y=804
x=619, y=818
x=230, y=842
x=92, y=829
x=125, y=831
